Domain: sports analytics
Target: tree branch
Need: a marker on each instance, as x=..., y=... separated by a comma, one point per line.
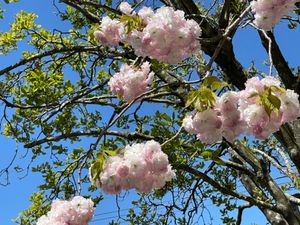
x=240, y=212
x=90, y=16
x=282, y=67
x=94, y=133
x=99, y=6
x=286, y=136
x=225, y=190
x=226, y=58
x=22, y=62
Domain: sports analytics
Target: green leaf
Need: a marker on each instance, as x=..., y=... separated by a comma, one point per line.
x=275, y=101
x=207, y=154
x=109, y=152
x=132, y=22
x=277, y=89
x=214, y=83
x=192, y=96
x=113, y=153
x=218, y=161
x=166, y=117
x=97, y=167
x=211, y=154
x=201, y=99
x=91, y=37
x=270, y=102
x=253, y=95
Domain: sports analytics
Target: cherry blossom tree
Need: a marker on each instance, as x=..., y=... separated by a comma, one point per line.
x=149, y=96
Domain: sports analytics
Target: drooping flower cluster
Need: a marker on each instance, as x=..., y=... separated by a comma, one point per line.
x=228, y=109
x=260, y=123
x=222, y=120
x=78, y=211
x=111, y=31
x=143, y=167
x=164, y=35
x=167, y=36
x=249, y=111
x=267, y=13
x=131, y=82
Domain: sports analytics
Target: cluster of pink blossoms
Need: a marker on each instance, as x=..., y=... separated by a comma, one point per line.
x=131, y=82
x=222, y=120
x=143, y=167
x=78, y=211
x=165, y=35
x=111, y=31
x=240, y=112
x=267, y=13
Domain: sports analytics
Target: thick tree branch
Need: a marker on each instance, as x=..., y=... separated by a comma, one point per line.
x=225, y=37
x=286, y=136
x=263, y=180
x=291, y=215
x=226, y=58
x=274, y=217
x=225, y=14
x=253, y=188
x=225, y=190
x=240, y=212
x=281, y=65
x=271, y=160
x=246, y=154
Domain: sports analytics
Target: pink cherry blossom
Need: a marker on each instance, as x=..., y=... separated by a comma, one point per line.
x=78, y=211
x=146, y=14
x=111, y=32
x=208, y=126
x=232, y=123
x=187, y=123
x=165, y=35
x=289, y=106
x=144, y=167
x=131, y=82
x=126, y=8
x=257, y=120
x=241, y=112
x=268, y=13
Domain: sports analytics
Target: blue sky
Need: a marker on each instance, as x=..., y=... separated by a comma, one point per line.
x=15, y=196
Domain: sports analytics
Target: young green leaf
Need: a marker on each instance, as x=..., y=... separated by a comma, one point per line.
x=201, y=99
x=131, y=22
x=211, y=154
x=270, y=102
x=214, y=83
x=97, y=167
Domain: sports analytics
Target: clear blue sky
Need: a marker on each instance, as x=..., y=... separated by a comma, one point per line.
x=15, y=196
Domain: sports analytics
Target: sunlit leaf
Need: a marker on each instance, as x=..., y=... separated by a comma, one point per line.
x=201, y=99
x=214, y=83
x=269, y=101
x=132, y=22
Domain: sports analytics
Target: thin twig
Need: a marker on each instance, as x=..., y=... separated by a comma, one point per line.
x=174, y=137
x=269, y=51
x=270, y=159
